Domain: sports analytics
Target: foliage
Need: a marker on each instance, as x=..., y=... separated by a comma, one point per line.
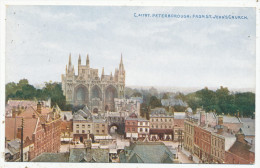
x=178, y=108
x=165, y=96
x=222, y=101
x=23, y=90
x=155, y=102
x=137, y=94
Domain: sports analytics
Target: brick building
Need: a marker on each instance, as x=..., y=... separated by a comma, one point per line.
x=240, y=152
x=131, y=126
x=42, y=128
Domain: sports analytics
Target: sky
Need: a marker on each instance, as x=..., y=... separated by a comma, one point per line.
x=167, y=52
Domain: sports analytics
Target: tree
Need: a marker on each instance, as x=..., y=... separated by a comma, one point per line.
x=154, y=102
x=245, y=103
x=137, y=94
x=165, y=96
x=179, y=108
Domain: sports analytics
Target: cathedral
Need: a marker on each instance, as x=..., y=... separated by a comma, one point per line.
x=90, y=89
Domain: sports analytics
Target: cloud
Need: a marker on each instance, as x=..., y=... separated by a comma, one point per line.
x=166, y=52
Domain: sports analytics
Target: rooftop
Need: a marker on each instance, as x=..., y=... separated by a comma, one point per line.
x=147, y=152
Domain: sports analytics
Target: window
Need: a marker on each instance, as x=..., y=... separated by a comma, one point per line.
x=97, y=131
x=133, y=123
x=83, y=126
x=156, y=126
x=152, y=126
x=128, y=123
x=165, y=120
x=141, y=129
x=146, y=130
x=88, y=126
x=141, y=123
x=77, y=131
x=83, y=131
x=103, y=125
x=77, y=126
x=97, y=125
x=170, y=126
x=128, y=129
x=156, y=119
x=89, y=131
x=161, y=119
x=170, y=119
x=103, y=131
x=133, y=129
x=165, y=126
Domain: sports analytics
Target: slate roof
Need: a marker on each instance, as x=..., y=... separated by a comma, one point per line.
x=179, y=115
x=231, y=119
x=248, y=127
x=77, y=117
x=14, y=146
x=173, y=102
x=160, y=112
x=248, y=131
x=68, y=115
x=90, y=155
x=52, y=157
x=146, y=152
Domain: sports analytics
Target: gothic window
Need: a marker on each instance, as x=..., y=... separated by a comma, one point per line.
x=80, y=94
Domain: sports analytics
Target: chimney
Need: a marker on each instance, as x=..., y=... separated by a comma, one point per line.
x=13, y=113
x=240, y=136
x=202, y=118
x=220, y=124
x=39, y=107
x=220, y=120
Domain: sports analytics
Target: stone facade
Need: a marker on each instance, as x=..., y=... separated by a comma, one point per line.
x=189, y=134
x=88, y=88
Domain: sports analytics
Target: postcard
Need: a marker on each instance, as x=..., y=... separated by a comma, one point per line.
x=129, y=84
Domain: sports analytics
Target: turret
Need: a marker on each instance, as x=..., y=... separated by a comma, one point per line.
x=111, y=76
x=79, y=64
x=69, y=68
x=70, y=60
x=87, y=62
x=79, y=60
x=103, y=74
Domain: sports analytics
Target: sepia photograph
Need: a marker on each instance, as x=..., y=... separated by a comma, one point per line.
x=130, y=84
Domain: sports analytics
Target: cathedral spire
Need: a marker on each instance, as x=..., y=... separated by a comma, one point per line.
x=121, y=61
x=79, y=60
x=87, y=63
x=70, y=59
x=121, y=65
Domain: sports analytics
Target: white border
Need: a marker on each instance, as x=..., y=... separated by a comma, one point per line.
x=184, y=3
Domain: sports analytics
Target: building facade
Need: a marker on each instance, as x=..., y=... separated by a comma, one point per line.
x=161, y=125
x=189, y=134
x=131, y=126
x=143, y=128
x=88, y=88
